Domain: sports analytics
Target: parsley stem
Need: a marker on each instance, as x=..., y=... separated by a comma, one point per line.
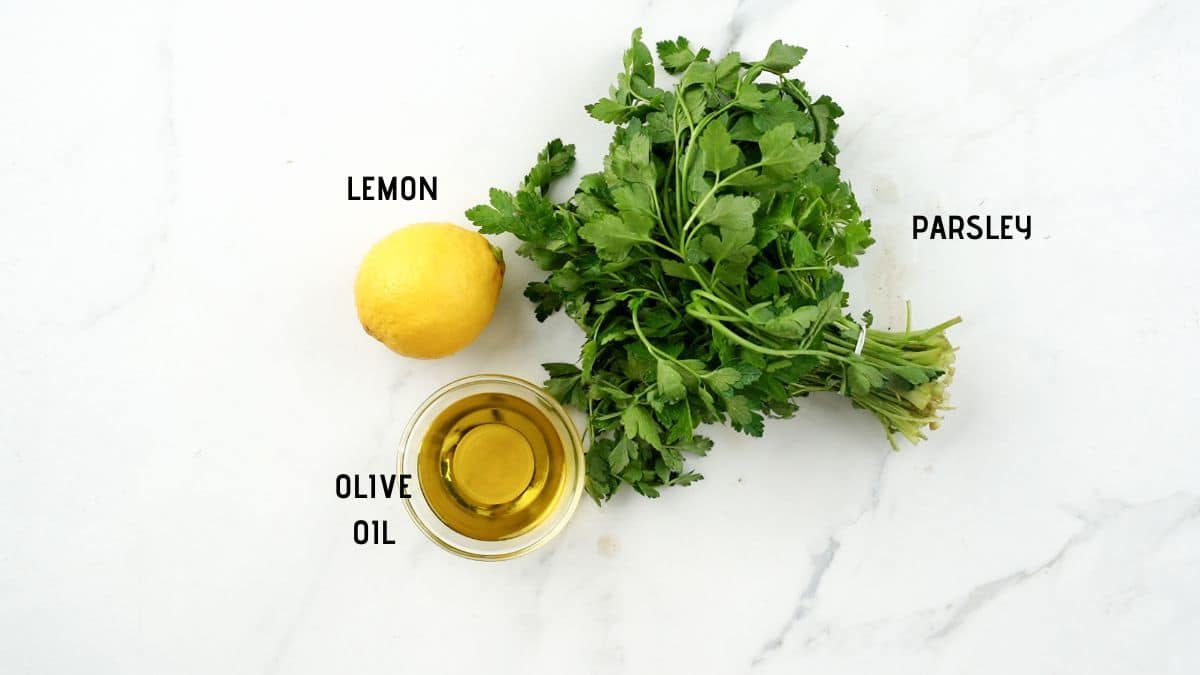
x=722, y=317
x=657, y=353
x=654, y=351
x=695, y=130
x=798, y=95
x=724, y=330
x=660, y=220
x=589, y=434
x=664, y=247
x=668, y=218
x=719, y=301
x=687, y=156
x=678, y=175
x=669, y=305
x=700, y=205
x=700, y=280
x=807, y=210
x=908, y=335
x=790, y=271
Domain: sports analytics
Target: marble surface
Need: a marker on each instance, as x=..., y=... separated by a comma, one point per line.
x=182, y=375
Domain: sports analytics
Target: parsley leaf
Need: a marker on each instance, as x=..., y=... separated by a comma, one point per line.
x=719, y=151
x=613, y=236
x=782, y=57
x=676, y=55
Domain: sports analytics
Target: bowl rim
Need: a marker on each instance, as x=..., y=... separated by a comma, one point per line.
x=573, y=439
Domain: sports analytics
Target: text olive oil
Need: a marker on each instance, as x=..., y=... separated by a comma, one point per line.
x=492, y=466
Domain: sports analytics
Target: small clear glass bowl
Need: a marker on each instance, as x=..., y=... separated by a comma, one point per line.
x=477, y=549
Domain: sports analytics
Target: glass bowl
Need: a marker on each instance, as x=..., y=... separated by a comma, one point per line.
x=573, y=470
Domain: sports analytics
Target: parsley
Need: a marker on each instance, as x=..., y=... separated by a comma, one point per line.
x=702, y=263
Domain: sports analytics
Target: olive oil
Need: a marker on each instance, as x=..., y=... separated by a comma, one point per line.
x=492, y=466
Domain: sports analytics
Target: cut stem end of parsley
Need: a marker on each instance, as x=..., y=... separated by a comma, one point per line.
x=703, y=264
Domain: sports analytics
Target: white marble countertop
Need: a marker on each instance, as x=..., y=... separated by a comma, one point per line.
x=182, y=375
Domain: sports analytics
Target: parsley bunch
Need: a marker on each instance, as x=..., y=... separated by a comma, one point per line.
x=702, y=264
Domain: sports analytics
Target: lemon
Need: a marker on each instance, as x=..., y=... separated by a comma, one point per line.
x=429, y=289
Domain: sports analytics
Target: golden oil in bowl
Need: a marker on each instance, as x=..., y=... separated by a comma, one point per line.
x=491, y=466
x=499, y=467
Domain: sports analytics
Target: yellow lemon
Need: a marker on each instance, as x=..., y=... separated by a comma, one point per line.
x=429, y=289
